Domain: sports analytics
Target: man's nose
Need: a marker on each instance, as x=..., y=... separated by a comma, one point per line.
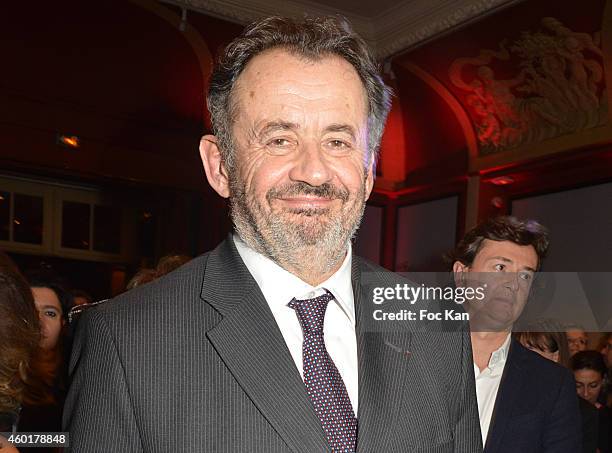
x=511, y=280
x=311, y=165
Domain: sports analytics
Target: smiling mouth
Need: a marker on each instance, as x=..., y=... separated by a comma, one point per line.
x=306, y=206
x=306, y=202
x=304, y=196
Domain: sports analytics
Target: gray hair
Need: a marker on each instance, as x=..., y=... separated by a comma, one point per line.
x=311, y=38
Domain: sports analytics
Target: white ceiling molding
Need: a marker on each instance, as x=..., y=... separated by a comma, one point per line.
x=247, y=11
x=403, y=26
x=412, y=23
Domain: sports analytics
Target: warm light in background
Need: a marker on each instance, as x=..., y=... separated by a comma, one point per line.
x=502, y=181
x=71, y=141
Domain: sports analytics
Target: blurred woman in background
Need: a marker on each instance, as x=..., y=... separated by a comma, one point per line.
x=589, y=372
x=19, y=339
x=547, y=338
x=46, y=388
x=605, y=347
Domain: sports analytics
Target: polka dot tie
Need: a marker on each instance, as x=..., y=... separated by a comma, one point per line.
x=322, y=379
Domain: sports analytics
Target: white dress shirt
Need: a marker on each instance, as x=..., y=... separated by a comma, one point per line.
x=279, y=287
x=487, y=385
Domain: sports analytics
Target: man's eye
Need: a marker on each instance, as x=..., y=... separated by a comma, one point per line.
x=278, y=142
x=338, y=144
x=50, y=314
x=499, y=267
x=526, y=276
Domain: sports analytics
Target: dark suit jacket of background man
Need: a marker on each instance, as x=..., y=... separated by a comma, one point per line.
x=536, y=409
x=195, y=362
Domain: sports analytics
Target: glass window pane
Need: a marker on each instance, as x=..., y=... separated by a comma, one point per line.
x=107, y=229
x=28, y=219
x=5, y=213
x=75, y=225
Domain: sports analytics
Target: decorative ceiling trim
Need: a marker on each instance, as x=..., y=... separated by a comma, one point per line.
x=399, y=28
x=409, y=25
x=246, y=11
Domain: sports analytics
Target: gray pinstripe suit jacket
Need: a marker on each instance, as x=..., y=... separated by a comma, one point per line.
x=195, y=362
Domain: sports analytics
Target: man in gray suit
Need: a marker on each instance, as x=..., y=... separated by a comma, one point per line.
x=260, y=345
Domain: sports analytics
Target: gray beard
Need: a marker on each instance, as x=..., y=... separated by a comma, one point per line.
x=314, y=246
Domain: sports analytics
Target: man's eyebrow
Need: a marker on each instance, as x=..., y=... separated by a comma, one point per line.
x=501, y=258
x=274, y=126
x=346, y=128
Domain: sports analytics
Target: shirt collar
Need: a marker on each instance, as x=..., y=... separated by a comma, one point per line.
x=499, y=356
x=279, y=286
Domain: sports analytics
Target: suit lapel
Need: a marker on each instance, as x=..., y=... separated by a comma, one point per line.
x=383, y=359
x=251, y=345
x=509, y=392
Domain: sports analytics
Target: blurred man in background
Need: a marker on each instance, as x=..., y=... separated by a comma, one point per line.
x=525, y=402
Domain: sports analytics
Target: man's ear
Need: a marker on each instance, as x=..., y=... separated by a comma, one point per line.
x=459, y=270
x=369, y=182
x=213, y=165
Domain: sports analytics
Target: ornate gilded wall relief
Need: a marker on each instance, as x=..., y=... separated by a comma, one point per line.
x=555, y=87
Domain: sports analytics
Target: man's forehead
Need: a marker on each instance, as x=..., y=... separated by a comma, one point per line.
x=507, y=251
x=279, y=66
x=490, y=245
x=266, y=58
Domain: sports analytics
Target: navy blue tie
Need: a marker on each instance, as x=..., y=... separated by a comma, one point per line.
x=322, y=379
